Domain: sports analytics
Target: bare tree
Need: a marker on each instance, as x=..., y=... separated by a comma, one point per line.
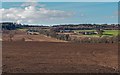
x=11, y=35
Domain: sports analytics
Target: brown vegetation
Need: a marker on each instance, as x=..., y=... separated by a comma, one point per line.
x=22, y=35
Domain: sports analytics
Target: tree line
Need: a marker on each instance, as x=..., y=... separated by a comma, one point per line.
x=67, y=37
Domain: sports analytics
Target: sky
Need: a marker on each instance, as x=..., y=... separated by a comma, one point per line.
x=62, y=0
x=49, y=13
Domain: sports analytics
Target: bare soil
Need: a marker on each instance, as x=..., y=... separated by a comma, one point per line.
x=58, y=57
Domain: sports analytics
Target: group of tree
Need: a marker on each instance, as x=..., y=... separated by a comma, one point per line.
x=88, y=26
x=55, y=35
x=10, y=26
x=67, y=37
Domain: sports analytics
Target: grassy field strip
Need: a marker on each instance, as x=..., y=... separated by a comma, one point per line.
x=105, y=33
x=111, y=32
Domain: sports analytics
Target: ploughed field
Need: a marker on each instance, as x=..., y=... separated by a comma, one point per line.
x=58, y=57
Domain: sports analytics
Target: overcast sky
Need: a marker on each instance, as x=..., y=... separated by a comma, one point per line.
x=59, y=12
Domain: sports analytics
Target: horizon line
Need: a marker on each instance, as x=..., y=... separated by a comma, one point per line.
x=58, y=23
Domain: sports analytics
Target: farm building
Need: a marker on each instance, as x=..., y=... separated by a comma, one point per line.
x=88, y=32
x=32, y=32
x=66, y=31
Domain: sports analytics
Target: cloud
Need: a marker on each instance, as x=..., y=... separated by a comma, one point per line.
x=32, y=3
x=32, y=14
x=31, y=0
x=113, y=16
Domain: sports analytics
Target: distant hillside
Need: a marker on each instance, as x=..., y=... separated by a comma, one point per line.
x=13, y=26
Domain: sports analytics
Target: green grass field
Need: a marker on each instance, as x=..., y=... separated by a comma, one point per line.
x=111, y=32
x=105, y=33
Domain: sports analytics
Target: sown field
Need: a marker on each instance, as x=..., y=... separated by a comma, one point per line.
x=41, y=54
x=59, y=57
x=105, y=33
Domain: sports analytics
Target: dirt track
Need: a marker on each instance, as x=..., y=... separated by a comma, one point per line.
x=60, y=57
